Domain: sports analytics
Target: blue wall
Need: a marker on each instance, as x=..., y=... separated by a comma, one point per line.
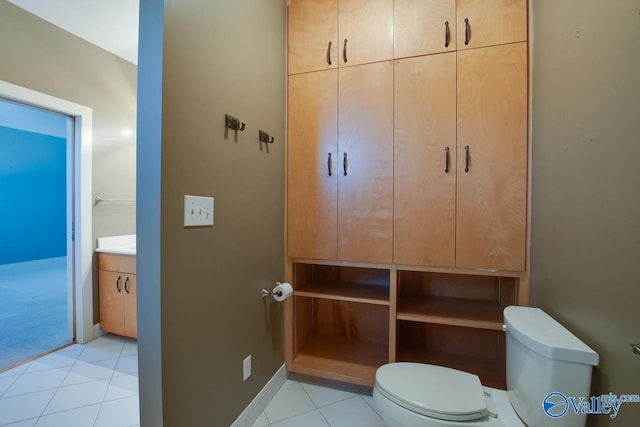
x=32, y=196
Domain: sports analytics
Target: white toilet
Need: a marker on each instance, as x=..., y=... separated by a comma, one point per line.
x=543, y=357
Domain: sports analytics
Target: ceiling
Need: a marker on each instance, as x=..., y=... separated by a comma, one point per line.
x=110, y=24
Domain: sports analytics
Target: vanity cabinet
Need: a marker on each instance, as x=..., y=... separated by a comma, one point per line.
x=117, y=288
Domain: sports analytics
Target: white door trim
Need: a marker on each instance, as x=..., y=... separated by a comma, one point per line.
x=82, y=215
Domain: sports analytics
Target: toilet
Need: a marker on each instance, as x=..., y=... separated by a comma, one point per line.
x=543, y=357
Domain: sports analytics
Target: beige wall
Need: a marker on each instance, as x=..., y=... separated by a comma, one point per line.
x=219, y=57
x=40, y=56
x=586, y=182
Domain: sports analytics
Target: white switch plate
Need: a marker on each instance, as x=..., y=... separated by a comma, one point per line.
x=246, y=368
x=198, y=211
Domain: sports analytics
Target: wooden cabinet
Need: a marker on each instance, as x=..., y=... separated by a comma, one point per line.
x=117, y=287
x=491, y=220
x=424, y=27
x=490, y=22
x=340, y=167
x=407, y=186
x=325, y=34
x=365, y=31
x=312, y=35
x=365, y=178
x=312, y=165
x=425, y=161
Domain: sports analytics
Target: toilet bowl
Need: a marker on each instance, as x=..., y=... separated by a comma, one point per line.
x=420, y=395
x=542, y=357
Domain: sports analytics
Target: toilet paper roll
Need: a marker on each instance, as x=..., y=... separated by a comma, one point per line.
x=282, y=291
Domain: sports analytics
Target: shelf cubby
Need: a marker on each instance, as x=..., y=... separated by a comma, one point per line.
x=481, y=352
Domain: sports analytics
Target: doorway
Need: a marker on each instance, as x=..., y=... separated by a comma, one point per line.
x=79, y=225
x=36, y=170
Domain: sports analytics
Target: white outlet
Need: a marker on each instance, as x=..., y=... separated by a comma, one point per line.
x=198, y=211
x=246, y=368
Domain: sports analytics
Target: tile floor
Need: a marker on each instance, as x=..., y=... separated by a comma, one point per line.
x=79, y=386
x=302, y=402
x=96, y=385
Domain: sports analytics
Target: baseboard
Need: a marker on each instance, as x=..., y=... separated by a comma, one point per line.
x=257, y=405
x=97, y=332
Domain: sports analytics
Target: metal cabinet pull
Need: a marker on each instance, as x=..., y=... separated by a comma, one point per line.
x=467, y=158
x=330, y=165
x=345, y=164
x=118, y=285
x=447, y=34
x=126, y=285
x=446, y=160
x=635, y=348
x=467, y=31
x=329, y=54
x=344, y=51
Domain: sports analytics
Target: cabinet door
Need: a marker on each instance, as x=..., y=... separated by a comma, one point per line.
x=130, y=309
x=111, y=286
x=311, y=150
x=312, y=35
x=425, y=160
x=492, y=185
x=423, y=27
x=491, y=22
x=365, y=186
x=367, y=25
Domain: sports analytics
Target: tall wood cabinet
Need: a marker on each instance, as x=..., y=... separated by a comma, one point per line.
x=407, y=166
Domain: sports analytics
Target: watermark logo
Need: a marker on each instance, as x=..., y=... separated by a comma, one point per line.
x=556, y=404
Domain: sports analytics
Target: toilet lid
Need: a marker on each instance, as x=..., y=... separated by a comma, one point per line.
x=433, y=391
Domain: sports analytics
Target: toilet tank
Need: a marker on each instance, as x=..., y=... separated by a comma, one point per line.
x=543, y=357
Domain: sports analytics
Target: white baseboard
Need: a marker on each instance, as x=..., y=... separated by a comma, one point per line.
x=257, y=405
x=97, y=332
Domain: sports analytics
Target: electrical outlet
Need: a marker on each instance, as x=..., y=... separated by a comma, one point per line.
x=198, y=211
x=246, y=368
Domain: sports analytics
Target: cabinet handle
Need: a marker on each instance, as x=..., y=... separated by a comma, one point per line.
x=467, y=31
x=467, y=158
x=329, y=54
x=447, y=34
x=344, y=51
x=446, y=159
x=126, y=285
x=118, y=285
x=345, y=164
x=330, y=165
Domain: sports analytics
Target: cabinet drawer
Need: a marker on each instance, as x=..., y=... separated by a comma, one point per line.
x=122, y=263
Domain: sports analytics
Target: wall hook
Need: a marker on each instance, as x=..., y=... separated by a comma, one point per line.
x=264, y=137
x=233, y=123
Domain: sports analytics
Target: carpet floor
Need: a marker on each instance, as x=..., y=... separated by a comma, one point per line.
x=33, y=309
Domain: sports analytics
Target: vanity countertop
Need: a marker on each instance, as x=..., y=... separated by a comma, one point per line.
x=117, y=245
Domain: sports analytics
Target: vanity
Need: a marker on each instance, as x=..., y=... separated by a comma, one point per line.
x=117, y=285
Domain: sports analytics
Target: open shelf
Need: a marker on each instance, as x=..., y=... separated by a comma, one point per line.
x=354, y=284
x=484, y=314
x=479, y=351
x=354, y=292
x=340, y=359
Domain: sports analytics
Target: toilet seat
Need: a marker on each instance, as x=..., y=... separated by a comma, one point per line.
x=433, y=391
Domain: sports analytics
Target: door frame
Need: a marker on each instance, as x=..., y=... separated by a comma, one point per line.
x=79, y=235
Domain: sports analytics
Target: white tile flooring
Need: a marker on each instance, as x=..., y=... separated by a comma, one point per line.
x=91, y=385
x=96, y=385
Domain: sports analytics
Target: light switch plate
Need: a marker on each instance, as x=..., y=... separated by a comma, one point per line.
x=198, y=211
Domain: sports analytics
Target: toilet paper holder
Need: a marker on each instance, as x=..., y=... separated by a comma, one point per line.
x=266, y=293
